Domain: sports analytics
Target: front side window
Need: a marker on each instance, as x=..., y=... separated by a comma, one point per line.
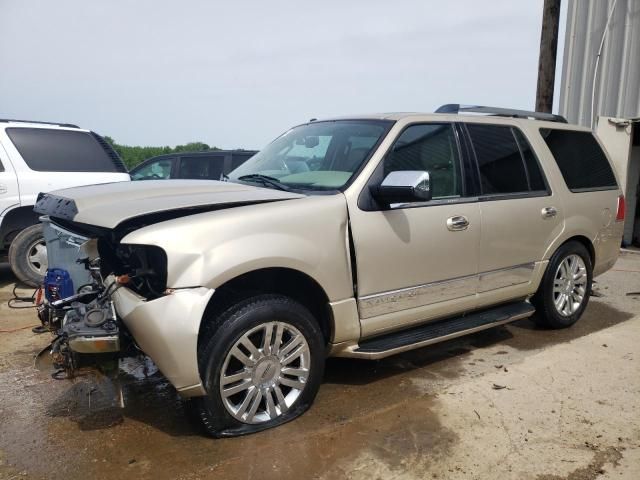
x=315, y=156
x=53, y=150
x=157, y=170
x=580, y=158
x=431, y=148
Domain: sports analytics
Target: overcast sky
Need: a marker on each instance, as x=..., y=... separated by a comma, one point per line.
x=237, y=73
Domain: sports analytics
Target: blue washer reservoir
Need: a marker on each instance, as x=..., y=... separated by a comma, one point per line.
x=57, y=284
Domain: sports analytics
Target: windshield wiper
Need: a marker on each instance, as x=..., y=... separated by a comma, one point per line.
x=266, y=180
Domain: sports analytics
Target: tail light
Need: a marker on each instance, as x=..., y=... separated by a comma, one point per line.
x=621, y=208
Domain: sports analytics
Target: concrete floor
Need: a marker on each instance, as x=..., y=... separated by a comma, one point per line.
x=570, y=409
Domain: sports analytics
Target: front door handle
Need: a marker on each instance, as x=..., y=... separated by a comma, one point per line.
x=457, y=223
x=549, y=212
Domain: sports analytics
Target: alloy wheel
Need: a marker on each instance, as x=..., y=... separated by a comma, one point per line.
x=265, y=372
x=570, y=285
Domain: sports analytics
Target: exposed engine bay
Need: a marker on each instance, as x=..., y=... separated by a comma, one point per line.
x=76, y=301
x=105, y=293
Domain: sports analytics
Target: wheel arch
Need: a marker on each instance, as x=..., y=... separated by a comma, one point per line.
x=586, y=243
x=14, y=221
x=275, y=280
x=580, y=237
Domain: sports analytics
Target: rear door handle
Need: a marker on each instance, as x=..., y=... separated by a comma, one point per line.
x=549, y=212
x=3, y=189
x=457, y=223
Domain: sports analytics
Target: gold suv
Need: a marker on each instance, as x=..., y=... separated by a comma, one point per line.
x=354, y=237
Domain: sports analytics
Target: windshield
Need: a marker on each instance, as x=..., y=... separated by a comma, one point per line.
x=315, y=156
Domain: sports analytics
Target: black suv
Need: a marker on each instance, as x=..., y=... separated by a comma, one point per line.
x=191, y=165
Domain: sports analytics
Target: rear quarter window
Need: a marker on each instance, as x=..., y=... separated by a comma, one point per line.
x=49, y=150
x=583, y=164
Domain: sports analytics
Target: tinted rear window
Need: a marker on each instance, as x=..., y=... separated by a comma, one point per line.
x=506, y=162
x=200, y=167
x=501, y=166
x=580, y=158
x=49, y=150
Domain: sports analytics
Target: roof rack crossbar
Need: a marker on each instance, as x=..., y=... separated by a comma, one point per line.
x=501, y=112
x=67, y=125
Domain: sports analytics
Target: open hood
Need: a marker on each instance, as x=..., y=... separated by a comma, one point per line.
x=108, y=205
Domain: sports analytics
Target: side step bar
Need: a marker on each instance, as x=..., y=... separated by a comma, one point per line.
x=438, y=331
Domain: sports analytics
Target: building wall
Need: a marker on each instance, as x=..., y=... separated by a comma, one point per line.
x=618, y=85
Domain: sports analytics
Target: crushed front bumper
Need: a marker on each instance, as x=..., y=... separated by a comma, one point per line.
x=166, y=329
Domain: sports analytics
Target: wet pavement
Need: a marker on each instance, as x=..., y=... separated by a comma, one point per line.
x=511, y=402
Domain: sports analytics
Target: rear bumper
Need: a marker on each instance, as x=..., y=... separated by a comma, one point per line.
x=166, y=329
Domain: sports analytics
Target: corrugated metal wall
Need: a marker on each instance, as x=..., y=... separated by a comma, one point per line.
x=617, y=91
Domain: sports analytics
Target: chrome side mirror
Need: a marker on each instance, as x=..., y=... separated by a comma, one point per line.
x=403, y=187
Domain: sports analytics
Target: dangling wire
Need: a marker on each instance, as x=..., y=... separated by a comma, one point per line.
x=30, y=300
x=30, y=303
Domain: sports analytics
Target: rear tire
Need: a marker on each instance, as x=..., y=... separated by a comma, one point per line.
x=262, y=366
x=564, y=291
x=28, y=256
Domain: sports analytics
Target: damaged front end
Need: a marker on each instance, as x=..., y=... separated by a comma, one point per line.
x=87, y=266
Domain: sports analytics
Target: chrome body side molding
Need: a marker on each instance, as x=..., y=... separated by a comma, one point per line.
x=450, y=289
x=397, y=300
x=505, y=277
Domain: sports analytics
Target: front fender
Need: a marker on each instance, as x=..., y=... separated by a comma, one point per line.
x=209, y=249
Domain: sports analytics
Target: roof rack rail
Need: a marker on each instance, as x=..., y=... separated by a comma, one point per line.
x=67, y=125
x=501, y=112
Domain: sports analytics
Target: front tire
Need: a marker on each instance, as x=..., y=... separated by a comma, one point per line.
x=564, y=292
x=28, y=256
x=261, y=366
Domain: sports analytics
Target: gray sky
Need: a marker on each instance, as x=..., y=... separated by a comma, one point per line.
x=236, y=74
